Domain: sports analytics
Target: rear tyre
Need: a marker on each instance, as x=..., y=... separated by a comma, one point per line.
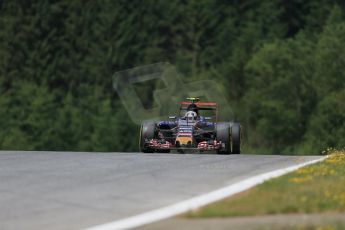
x=147, y=131
x=236, y=138
x=223, y=135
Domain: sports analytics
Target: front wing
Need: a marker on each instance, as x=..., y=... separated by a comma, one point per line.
x=203, y=145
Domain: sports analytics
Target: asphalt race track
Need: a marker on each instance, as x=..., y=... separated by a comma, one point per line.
x=76, y=190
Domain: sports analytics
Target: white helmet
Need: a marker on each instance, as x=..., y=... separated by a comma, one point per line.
x=191, y=116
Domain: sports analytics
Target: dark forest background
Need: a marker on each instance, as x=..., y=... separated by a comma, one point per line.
x=281, y=62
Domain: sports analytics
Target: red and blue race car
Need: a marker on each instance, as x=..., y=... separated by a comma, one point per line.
x=196, y=128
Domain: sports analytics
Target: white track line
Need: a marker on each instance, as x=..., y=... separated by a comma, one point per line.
x=196, y=202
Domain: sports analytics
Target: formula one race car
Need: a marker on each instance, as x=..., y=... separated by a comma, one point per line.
x=191, y=131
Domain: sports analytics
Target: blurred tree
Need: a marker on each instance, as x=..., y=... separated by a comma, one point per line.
x=281, y=96
x=276, y=60
x=327, y=125
x=330, y=55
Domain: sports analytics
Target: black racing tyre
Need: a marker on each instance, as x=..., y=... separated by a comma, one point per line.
x=181, y=151
x=147, y=131
x=235, y=138
x=163, y=151
x=223, y=135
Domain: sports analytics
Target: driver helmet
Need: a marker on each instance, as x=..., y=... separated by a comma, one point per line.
x=193, y=107
x=191, y=116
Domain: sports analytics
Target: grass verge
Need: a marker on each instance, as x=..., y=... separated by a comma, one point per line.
x=313, y=189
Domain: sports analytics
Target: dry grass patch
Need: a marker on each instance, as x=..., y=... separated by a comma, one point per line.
x=312, y=189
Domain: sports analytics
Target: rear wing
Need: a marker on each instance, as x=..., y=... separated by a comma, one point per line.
x=199, y=103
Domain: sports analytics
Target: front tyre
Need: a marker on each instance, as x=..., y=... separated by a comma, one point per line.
x=147, y=132
x=236, y=138
x=163, y=151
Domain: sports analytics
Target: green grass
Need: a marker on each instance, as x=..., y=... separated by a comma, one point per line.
x=313, y=189
x=335, y=226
